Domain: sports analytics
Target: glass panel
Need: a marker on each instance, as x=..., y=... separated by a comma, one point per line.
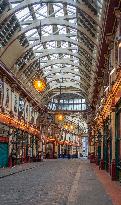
x=83, y=106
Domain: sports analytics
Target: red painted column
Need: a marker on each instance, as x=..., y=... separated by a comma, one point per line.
x=53, y=150
x=10, y=161
x=102, y=164
x=113, y=170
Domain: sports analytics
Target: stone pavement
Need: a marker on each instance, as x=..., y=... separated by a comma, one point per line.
x=113, y=188
x=53, y=182
x=5, y=172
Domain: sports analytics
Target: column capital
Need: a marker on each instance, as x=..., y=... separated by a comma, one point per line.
x=4, y=78
x=113, y=109
x=110, y=40
x=118, y=14
x=13, y=87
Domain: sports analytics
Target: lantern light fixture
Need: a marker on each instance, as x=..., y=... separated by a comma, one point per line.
x=39, y=85
x=60, y=117
x=120, y=45
x=71, y=127
x=66, y=126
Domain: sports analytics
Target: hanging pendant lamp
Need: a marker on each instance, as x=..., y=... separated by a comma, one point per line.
x=59, y=116
x=39, y=83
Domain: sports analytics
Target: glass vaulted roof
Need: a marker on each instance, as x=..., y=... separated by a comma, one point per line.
x=57, y=40
x=60, y=40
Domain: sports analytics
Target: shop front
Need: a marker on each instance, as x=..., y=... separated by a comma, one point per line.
x=3, y=152
x=50, y=150
x=24, y=147
x=17, y=146
x=4, y=145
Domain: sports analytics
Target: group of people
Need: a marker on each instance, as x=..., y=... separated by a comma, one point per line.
x=64, y=155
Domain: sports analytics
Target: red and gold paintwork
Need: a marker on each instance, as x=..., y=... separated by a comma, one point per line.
x=10, y=121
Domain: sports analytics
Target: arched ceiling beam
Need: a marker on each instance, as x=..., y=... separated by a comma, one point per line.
x=67, y=84
x=23, y=4
x=84, y=82
x=48, y=97
x=47, y=92
x=66, y=17
x=54, y=51
x=57, y=21
x=61, y=61
x=53, y=95
x=69, y=77
x=75, y=86
x=68, y=70
x=65, y=61
x=50, y=21
x=67, y=50
x=52, y=38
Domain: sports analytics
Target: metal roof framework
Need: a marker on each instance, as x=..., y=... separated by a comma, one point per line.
x=59, y=41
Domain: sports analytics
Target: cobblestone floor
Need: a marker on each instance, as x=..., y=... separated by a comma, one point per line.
x=52, y=182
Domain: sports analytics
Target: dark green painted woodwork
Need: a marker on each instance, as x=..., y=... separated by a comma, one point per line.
x=107, y=145
x=3, y=155
x=117, y=140
x=99, y=154
x=105, y=148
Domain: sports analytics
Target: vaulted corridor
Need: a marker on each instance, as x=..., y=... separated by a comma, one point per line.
x=60, y=102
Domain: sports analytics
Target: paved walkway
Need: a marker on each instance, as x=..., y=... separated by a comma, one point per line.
x=113, y=188
x=52, y=182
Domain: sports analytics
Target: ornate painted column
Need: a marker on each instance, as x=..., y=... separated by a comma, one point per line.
x=29, y=148
x=55, y=144
x=89, y=144
x=113, y=163
x=102, y=150
x=96, y=144
x=39, y=149
x=12, y=99
x=59, y=150
x=10, y=147
x=34, y=148
x=92, y=147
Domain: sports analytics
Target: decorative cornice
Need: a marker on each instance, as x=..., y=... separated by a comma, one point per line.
x=11, y=121
x=111, y=99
